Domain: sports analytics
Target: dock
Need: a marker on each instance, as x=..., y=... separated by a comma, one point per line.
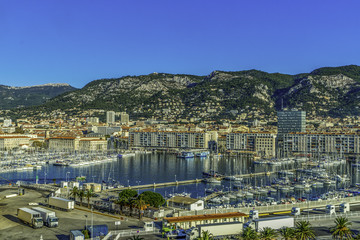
x=186, y=182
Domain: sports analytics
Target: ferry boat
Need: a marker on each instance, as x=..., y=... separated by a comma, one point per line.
x=202, y=154
x=185, y=155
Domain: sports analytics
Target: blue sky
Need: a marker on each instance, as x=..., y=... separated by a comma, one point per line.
x=78, y=41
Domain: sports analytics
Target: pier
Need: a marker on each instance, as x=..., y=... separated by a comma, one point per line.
x=185, y=182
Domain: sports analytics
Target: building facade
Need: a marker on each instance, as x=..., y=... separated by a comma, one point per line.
x=110, y=117
x=169, y=139
x=11, y=142
x=263, y=144
x=291, y=121
x=321, y=143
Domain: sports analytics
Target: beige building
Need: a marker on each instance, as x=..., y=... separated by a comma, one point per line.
x=320, y=143
x=11, y=142
x=92, y=144
x=169, y=139
x=94, y=187
x=263, y=144
x=186, y=222
x=77, y=143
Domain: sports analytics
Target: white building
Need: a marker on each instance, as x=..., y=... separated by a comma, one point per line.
x=186, y=203
x=110, y=117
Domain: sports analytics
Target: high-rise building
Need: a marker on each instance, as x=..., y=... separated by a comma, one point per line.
x=110, y=117
x=124, y=118
x=291, y=121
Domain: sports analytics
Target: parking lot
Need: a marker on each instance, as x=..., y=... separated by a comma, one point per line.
x=12, y=228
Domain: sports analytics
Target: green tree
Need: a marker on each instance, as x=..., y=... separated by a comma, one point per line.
x=81, y=195
x=128, y=193
x=249, y=234
x=268, y=233
x=341, y=229
x=206, y=235
x=287, y=233
x=152, y=198
x=74, y=192
x=303, y=231
x=89, y=194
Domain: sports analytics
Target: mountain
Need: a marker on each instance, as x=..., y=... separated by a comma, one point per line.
x=333, y=91
x=15, y=97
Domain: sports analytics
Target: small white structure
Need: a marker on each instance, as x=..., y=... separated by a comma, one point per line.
x=73, y=184
x=64, y=184
x=254, y=214
x=295, y=211
x=330, y=209
x=344, y=207
x=186, y=203
x=149, y=226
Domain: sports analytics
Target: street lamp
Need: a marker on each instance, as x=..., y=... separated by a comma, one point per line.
x=128, y=183
x=45, y=177
x=138, y=182
x=175, y=177
x=66, y=176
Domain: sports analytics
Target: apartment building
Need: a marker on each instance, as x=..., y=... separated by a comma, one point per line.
x=263, y=144
x=168, y=139
x=11, y=142
x=77, y=143
x=321, y=143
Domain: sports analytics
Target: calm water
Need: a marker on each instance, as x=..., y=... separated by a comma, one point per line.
x=156, y=168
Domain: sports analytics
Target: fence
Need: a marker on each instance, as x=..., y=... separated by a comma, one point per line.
x=274, y=208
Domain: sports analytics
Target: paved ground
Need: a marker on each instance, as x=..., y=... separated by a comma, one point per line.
x=12, y=228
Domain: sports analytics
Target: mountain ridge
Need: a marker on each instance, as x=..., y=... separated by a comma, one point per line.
x=333, y=91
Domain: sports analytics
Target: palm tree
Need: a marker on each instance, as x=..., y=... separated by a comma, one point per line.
x=74, y=192
x=249, y=234
x=206, y=235
x=268, y=233
x=89, y=194
x=81, y=195
x=287, y=233
x=122, y=201
x=140, y=204
x=341, y=229
x=303, y=231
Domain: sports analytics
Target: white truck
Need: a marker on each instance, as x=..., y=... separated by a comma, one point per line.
x=61, y=203
x=48, y=217
x=271, y=222
x=30, y=217
x=219, y=229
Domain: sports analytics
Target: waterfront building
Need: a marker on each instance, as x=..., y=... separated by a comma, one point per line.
x=186, y=222
x=291, y=121
x=92, y=144
x=321, y=143
x=11, y=142
x=263, y=144
x=187, y=203
x=110, y=117
x=168, y=139
x=7, y=123
x=77, y=143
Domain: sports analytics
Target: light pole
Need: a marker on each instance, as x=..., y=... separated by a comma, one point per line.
x=175, y=177
x=128, y=183
x=92, y=223
x=138, y=182
x=66, y=176
x=45, y=177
